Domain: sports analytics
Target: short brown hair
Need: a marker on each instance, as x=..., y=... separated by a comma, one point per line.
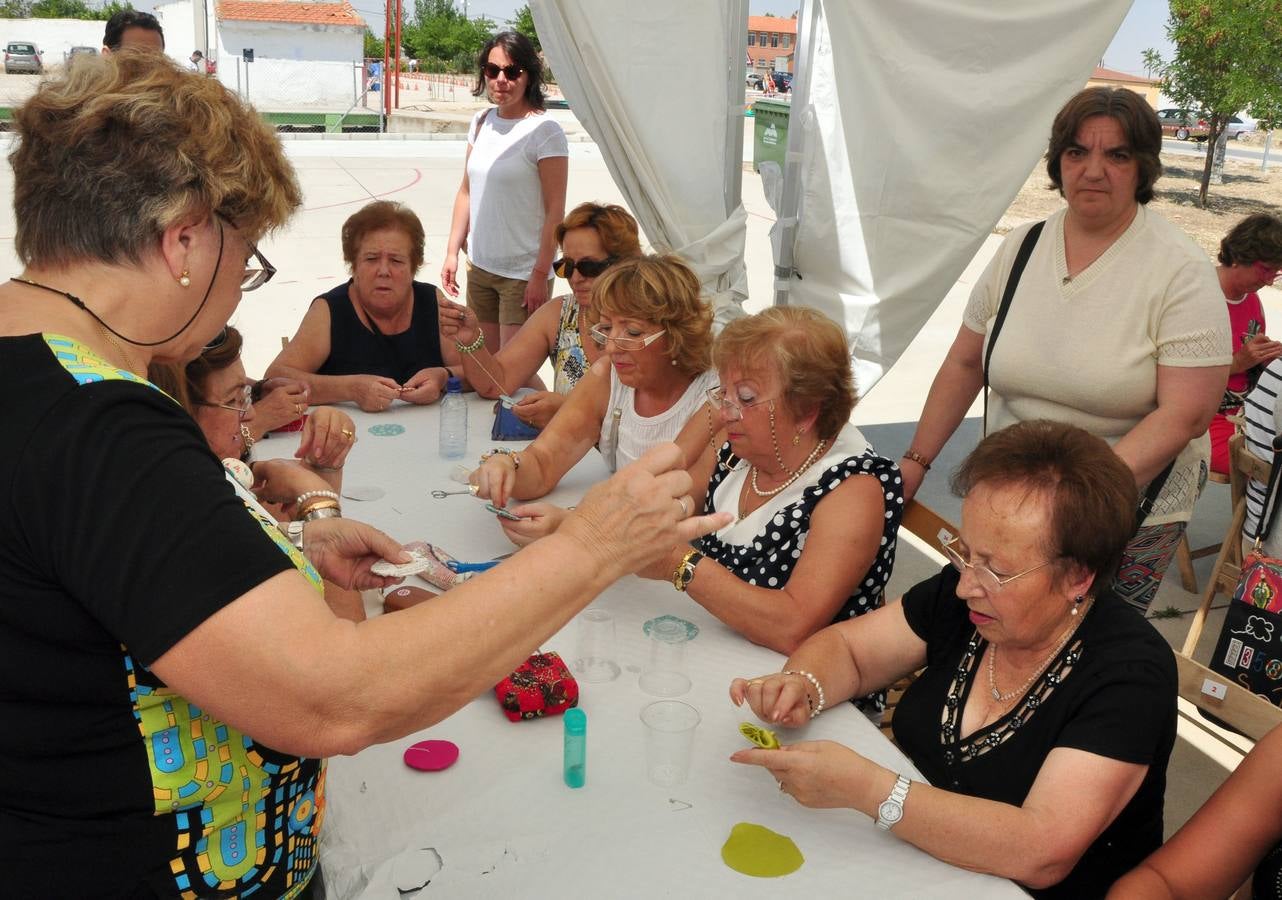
x=377, y=216
x=122, y=146
x=1257, y=238
x=1092, y=493
x=612, y=223
x=663, y=290
x=186, y=384
x=1139, y=124
x=809, y=353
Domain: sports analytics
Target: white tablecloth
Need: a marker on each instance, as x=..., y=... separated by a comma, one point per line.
x=501, y=820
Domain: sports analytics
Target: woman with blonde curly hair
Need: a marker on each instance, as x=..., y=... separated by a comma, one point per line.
x=173, y=679
x=655, y=335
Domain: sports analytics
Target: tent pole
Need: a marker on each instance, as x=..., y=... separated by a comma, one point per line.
x=790, y=195
x=733, y=191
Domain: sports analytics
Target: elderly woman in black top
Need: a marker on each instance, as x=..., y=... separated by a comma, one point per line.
x=1045, y=714
x=375, y=338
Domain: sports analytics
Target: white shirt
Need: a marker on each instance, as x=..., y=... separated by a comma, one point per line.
x=506, y=211
x=635, y=433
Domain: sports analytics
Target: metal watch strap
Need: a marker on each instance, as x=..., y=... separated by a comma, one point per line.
x=891, y=810
x=328, y=512
x=684, y=574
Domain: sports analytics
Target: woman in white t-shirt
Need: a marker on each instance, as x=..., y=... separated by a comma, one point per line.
x=513, y=192
x=1118, y=326
x=648, y=387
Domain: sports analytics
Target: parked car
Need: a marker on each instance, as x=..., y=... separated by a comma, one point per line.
x=80, y=51
x=1237, y=127
x=782, y=80
x=1183, y=124
x=756, y=82
x=20, y=56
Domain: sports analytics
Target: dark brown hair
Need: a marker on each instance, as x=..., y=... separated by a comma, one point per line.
x=1257, y=238
x=1092, y=493
x=377, y=216
x=186, y=384
x=1139, y=125
x=808, y=352
x=522, y=53
x=612, y=223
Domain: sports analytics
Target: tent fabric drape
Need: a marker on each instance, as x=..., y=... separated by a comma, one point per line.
x=923, y=120
x=653, y=84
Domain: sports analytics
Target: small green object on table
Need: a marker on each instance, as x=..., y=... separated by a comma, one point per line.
x=757, y=851
x=762, y=737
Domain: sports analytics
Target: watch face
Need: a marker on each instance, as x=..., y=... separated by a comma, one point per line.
x=890, y=812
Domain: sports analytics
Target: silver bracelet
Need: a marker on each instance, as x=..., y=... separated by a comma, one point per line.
x=814, y=710
x=307, y=495
x=329, y=512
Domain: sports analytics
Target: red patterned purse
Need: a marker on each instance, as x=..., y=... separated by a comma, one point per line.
x=542, y=686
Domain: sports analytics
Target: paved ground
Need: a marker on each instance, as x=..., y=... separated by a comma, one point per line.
x=339, y=175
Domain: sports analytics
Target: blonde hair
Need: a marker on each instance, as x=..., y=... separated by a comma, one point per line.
x=123, y=146
x=808, y=352
x=663, y=290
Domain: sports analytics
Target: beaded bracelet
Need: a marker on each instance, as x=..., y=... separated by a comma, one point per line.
x=814, y=710
x=913, y=456
x=503, y=451
x=471, y=348
x=307, y=495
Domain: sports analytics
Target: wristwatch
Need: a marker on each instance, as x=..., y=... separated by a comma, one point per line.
x=684, y=573
x=294, y=531
x=891, y=809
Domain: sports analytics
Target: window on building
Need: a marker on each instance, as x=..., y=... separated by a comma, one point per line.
x=774, y=40
x=786, y=39
x=752, y=39
x=761, y=38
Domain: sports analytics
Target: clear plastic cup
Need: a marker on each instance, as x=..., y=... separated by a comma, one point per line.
x=594, y=657
x=669, y=740
x=666, y=674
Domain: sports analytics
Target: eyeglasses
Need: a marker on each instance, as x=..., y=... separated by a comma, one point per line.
x=492, y=71
x=246, y=400
x=588, y=268
x=1267, y=272
x=733, y=408
x=989, y=580
x=600, y=334
x=255, y=275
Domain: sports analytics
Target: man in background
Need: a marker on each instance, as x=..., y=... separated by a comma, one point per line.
x=131, y=28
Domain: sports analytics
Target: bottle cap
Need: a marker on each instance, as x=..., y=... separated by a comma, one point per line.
x=453, y=386
x=576, y=721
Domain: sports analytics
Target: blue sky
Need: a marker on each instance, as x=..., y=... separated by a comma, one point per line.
x=1144, y=26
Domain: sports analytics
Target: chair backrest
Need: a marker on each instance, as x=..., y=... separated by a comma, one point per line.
x=924, y=522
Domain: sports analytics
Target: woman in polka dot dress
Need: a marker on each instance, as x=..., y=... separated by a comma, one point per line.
x=811, y=544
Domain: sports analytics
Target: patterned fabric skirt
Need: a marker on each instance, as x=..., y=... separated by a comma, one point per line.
x=1144, y=562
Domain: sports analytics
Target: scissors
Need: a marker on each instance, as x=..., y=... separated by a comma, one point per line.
x=455, y=566
x=441, y=495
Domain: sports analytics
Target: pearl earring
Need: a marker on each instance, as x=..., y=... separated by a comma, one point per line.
x=796, y=439
x=1077, y=603
x=184, y=279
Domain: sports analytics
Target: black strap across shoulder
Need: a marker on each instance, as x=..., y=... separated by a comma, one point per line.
x=1012, y=282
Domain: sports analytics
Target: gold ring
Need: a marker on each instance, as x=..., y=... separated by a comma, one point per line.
x=298, y=409
x=348, y=433
x=755, y=681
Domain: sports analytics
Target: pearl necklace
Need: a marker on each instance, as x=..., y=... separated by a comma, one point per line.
x=1009, y=695
x=752, y=478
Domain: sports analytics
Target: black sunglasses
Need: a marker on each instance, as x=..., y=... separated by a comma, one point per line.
x=492, y=71
x=588, y=268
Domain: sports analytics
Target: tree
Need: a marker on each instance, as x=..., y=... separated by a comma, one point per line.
x=15, y=9
x=442, y=38
x=523, y=23
x=1228, y=57
x=373, y=45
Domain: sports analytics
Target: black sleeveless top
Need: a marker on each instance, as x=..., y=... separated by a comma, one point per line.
x=356, y=350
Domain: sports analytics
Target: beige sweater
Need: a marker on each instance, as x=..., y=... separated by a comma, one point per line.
x=1086, y=350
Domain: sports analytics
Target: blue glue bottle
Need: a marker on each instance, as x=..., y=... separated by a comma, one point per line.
x=576, y=747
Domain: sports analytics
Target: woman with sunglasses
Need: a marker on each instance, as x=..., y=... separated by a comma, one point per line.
x=1249, y=259
x=513, y=192
x=592, y=238
x=647, y=387
x=1044, y=715
x=816, y=509
x=173, y=678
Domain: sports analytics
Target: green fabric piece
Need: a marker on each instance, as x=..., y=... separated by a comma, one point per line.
x=757, y=851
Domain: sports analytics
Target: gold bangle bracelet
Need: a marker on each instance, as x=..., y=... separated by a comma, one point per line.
x=916, y=457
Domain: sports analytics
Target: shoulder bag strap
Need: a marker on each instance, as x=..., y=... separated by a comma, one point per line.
x=1012, y=282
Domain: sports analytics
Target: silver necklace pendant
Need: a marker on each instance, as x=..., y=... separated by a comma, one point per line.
x=996, y=695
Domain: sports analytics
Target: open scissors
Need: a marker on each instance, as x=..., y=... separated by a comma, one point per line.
x=455, y=566
x=441, y=495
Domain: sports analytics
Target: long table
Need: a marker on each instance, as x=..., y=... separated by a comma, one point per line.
x=501, y=822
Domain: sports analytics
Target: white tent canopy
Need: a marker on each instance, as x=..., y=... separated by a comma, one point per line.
x=913, y=125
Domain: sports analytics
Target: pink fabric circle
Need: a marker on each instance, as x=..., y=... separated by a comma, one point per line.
x=431, y=756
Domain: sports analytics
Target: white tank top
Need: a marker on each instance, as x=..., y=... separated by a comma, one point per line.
x=625, y=435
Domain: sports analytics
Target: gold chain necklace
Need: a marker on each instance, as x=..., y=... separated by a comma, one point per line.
x=992, y=657
x=752, y=478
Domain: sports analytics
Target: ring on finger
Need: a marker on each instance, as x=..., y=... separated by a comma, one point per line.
x=755, y=681
x=781, y=785
x=685, y=510
x=349, y=434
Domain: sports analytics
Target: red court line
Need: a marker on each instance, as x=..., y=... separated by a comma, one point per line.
x=418, y=176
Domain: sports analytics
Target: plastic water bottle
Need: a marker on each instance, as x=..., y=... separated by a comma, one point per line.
x=453, y=430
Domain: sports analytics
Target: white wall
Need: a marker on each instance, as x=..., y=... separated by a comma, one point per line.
x=54, y=37
x=178, y=20
x=295, y=66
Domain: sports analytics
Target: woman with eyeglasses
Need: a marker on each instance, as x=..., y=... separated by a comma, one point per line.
x=173, y=677
x=647, y=387
x=1044, y=715
x=1250, y=258
x=376, y=338
x=513, y=192
x=592, y=238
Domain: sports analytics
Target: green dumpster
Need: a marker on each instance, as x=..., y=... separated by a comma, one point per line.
x=770, y=141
